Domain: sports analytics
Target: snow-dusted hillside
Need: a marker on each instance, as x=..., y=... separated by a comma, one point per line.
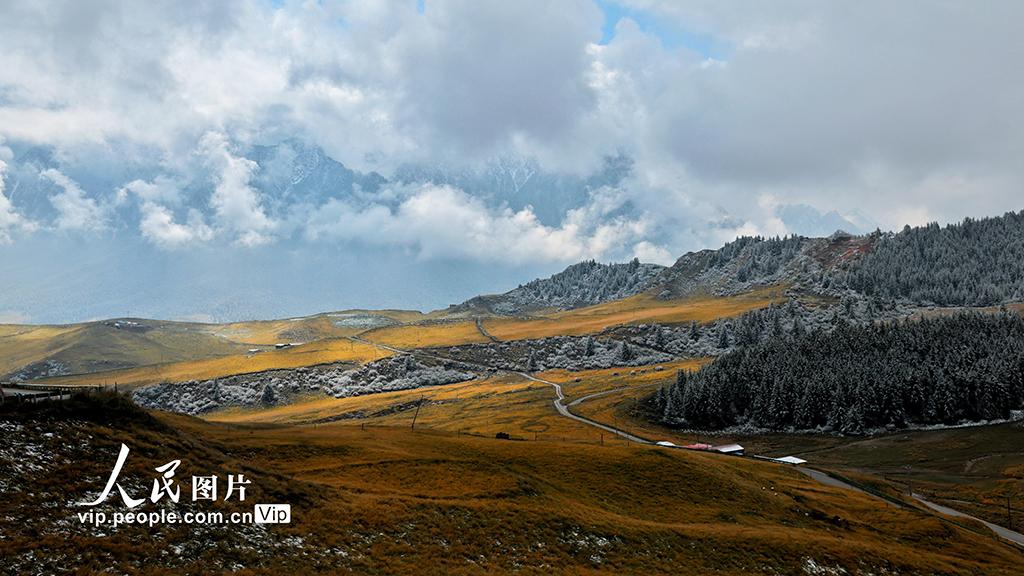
x=279, y=386
x=583, y=284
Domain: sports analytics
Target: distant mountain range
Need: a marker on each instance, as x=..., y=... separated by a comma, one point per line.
x=808, y=221
x=292, y=174
x=102, y=265
x=971, y=263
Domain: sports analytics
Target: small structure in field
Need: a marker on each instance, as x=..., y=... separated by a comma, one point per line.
x=733, y=449
x=699, y=446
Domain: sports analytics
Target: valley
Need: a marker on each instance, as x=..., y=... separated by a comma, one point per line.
x=391, y=500
x=406, y=439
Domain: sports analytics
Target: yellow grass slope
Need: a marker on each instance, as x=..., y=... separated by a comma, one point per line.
x=394, y=501
x=319, y=352
x=640, y=309
x=508, y=403
x=305, y=329
x=163, y=350
x=467, y=505
x=93, y=346
x=427, y=334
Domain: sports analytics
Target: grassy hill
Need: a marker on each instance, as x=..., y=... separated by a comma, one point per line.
x=97, y=353
x=32, y=351
x=385, y=500
x=325, y=351
x=148, y=351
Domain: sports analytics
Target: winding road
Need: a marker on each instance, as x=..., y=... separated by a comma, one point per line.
x=559, y=401
x=563, y=409
x=1004, y=532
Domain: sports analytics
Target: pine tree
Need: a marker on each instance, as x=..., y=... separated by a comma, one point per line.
x=588, y=347
x=268, y=396
x=625, y=353
x=722, y=335
x=798, y=329
x=659, y=337
x=942, y=370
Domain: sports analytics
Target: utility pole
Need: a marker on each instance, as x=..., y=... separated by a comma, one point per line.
x=420, y=403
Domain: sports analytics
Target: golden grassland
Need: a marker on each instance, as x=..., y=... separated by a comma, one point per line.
x=639, y=309
x=273, y=331
x=94, y=347
x=978, y=470
x=623, y=409
x=20, y=345
x=426, y=335
x=319, y=352
x=507, y=403
x=752, y=515
x=306, y=328
x=387, y=500
x=175, y=348
x=512, y=404
x=594, y=381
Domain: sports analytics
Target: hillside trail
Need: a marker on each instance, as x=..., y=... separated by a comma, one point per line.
x=484, y=332
x=1012, y=536
x=559, y=404
x=559, y=401
x=1004, y=532
x=614, y=390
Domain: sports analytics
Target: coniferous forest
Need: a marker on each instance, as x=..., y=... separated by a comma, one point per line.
x=967, y=366
x=972, y=263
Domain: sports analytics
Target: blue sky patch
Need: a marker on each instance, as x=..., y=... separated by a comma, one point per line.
x=671, y=36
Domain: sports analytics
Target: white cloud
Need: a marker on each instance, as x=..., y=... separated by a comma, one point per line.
x=443, y=222
x=75, y=210
x=10, y=219
x=649, y=252
x=772, y=224
x=158, y=226
x=236, y=204
x=161, y=189
x=802, y=96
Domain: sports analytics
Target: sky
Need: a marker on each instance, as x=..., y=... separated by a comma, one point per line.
x=144, y=170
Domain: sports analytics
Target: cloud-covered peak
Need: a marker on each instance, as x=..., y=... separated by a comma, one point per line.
x=75, y=210
x=523, y=134
x=235, y=203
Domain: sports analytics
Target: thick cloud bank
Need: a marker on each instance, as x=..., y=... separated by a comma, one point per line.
x=518, y=137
